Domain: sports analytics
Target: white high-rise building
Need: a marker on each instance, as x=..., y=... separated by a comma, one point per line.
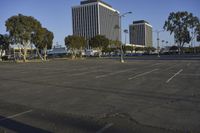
x=94, y=17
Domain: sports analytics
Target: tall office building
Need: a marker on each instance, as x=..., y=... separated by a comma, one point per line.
x=95, y=17
x=141, y=33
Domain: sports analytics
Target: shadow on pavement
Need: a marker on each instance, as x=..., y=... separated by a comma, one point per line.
x=19, y=127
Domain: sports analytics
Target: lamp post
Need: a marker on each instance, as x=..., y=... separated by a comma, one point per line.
x=120, y=28
x=162, y=43
x=158, y=40
x=166, y=43
x=125, y=33
x=162, y=46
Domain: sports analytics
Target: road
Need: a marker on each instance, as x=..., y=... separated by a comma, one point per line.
x=101, y=96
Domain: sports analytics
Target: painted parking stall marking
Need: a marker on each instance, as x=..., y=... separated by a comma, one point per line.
x=105, y=128
x=84, y=73
x=16, y=115
x=174, y=76
x=114, y=73
x=142, y=74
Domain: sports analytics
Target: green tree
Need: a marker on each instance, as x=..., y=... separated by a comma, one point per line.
x=4, y=43
x=114, y=45
x=129, y=48
x=117, y=44
x=46, y=42
x=37, y=39
x=20, y=29
x=99, y=42
x=148, y=50
x=75, y=43
x=181, y=24
x=82, y=43
x=139, y=49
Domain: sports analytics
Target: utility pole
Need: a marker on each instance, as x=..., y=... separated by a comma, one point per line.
x=123, y=15
x=158, y=40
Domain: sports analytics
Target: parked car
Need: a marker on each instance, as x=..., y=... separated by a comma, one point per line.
x=7, y=57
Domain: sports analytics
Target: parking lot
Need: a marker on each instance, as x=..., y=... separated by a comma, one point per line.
x=101, y=96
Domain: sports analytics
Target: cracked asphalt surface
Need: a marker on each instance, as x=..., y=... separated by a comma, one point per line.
x=100, y=96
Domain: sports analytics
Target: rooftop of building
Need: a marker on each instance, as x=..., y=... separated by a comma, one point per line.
x=92, y=1
x=140, y=21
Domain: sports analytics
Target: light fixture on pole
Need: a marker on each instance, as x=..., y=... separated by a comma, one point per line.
x=166, y=43
x=125, y=33
x=158, y=40
x=123, y=15
x=162, y=43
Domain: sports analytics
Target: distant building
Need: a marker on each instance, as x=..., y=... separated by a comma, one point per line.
x=15, y=51
x=20, y=47
x=141, y=33
x=95, y=17
x=57, y=50
x=135, y=45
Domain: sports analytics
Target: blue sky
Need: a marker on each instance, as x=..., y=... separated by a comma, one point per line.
x=55, y=15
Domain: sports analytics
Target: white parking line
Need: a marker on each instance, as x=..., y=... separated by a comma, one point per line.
x=174, y=76
x=142, y=74
x=105, y=127
x=154, y=64
x=114, y=73
x=84, y=69
x=83, y=73
x=16, y=115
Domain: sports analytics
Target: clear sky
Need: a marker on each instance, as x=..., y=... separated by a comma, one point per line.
x=55, y=15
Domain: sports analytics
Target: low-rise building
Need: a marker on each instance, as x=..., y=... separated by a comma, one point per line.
x=57, y=50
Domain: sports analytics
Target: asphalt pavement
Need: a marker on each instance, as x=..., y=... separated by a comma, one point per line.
x=100, y=96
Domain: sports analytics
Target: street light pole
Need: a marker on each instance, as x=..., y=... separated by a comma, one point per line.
x=125, y=32
x=120, y=17
x=120, y=31
x=158, y=40
x=162, y=43
x=166, y=43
